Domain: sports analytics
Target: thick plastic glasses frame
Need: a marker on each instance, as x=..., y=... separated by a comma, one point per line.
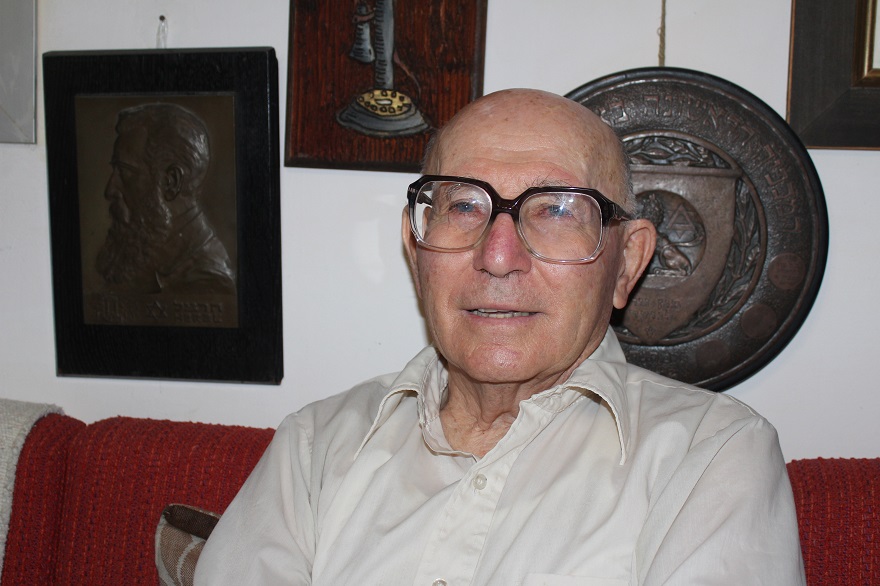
x=608, y=209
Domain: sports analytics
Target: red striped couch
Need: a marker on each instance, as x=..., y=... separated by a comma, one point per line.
x=87, y=500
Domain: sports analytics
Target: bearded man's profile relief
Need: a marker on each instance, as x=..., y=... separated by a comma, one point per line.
x=159, y=240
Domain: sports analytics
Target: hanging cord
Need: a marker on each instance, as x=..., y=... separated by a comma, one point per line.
x=661, y=32
x=162, y=33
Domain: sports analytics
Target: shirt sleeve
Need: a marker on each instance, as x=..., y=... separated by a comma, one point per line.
x=267, y=534
x=727, y=516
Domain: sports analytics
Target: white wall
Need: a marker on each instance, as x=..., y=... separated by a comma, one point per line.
x=349, y=310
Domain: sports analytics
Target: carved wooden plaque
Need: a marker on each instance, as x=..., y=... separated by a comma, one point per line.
x=742, y=230
x=369, y=80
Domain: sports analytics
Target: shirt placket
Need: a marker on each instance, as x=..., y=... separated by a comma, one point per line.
x=456, y=542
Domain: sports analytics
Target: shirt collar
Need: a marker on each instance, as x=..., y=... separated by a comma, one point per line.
x=603, y=374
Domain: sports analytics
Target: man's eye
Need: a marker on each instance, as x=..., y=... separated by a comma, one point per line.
x=557, y=211
x=559, y=208
x=462, y=207
x=553, y=211
x=123, y=171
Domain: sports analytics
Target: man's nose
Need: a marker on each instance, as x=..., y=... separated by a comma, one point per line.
x=111, y=190
x=501, y=251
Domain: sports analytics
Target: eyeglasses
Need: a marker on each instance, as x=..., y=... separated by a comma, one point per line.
x=562, y=225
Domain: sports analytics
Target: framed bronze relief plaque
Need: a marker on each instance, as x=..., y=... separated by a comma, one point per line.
x=164, y=202
x=368, y=80
x=742, y=230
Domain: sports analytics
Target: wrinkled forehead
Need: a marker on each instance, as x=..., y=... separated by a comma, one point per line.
x=549, y=134
x=130, y=144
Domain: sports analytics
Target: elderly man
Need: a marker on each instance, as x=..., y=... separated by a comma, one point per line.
x=160, y=240
x=520, y=448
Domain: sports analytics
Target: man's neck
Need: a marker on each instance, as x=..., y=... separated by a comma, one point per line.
x=475, y=416
x=187, y=233
x=474, y=432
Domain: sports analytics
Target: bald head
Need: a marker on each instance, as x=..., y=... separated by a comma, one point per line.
x=533, y=127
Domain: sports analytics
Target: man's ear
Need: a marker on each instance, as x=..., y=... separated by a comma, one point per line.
x=640, y=239
x=172, y=182
x=410, y=248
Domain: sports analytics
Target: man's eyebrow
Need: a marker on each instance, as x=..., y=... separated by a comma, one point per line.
x=117, y=163
x=549, y=182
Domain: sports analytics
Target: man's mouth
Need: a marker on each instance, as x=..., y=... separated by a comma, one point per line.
x=119, y=213
x=500, y=313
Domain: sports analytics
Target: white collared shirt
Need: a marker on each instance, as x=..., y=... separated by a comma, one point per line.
x=619, y=476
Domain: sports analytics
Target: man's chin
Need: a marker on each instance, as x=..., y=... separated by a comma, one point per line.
x=495, y=364
x=120, y=215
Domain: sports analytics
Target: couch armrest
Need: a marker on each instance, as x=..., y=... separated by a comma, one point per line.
x=838, y=509
x=35, y=519
x=121, y=474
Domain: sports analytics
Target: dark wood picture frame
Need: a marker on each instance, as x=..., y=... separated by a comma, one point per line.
x=215, y=314
x=368, y=80
x=833, y=94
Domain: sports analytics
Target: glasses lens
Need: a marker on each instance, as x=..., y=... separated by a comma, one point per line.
x=450, y=215
x=562, y=226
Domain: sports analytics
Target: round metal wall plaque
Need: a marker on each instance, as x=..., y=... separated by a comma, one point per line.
x=742, y=230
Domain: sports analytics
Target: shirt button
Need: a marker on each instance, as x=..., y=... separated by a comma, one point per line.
x=439, y=582
x=479, y=482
